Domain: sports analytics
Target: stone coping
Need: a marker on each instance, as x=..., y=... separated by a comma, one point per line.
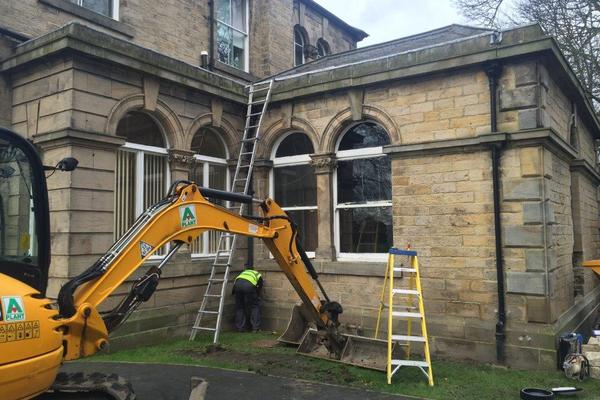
x=88, y=41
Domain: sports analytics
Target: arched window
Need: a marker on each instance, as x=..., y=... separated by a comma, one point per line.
x=141, y=176
x=294, y=185
x=208, y=170
x=300, y=43
x=363, y=193
x=323, y=48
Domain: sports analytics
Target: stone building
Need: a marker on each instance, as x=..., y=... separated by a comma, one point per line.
x=409, y=141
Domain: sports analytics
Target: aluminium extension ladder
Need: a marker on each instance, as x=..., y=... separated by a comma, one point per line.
x=410, y=301
x=210, y=314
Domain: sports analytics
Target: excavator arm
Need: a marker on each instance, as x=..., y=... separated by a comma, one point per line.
x=179, y=219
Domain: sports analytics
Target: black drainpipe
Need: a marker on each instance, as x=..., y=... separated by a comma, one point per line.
x=211, y=44
x=493, y=72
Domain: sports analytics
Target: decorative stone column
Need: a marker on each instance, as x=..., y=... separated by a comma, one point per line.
x=324, y=165
x=180, y=162
x=260, y=181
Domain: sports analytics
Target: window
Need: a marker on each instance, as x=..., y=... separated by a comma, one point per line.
x=232, y=32
x=209, y=170
x=141, y=176
x=299, y=46
x=109, y=8
x=294, y=186
x=363, y=194
x=322, y=48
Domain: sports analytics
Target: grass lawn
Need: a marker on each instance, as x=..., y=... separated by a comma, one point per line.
x=258, y=352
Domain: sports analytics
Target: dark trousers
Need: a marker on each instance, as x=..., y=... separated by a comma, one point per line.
x=246, y=299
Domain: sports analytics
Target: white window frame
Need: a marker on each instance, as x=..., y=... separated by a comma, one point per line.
x=206, y=161
x=114, y=8
x=140, y=150
x=246, y=33
x=290, y=161
x=346, y=155
x=303, y=45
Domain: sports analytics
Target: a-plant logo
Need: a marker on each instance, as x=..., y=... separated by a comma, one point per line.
x=12, y=308
x=187, y=216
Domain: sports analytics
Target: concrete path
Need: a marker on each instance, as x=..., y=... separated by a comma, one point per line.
x=172, y=382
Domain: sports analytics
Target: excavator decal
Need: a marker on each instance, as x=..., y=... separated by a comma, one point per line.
x=188, y=216
x=12, y=308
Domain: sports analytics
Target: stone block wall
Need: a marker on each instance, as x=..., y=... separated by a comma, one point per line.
x=181, y=28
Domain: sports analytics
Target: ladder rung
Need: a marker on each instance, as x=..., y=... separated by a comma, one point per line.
x=208, y=312
x=262, y=89
x=405, y=270
x=212, y=295
x=406, y=314
x=406, y=338
x=405, y=291
x=204, y=328
x=220, y=265
x=410, y=363
x=248, y=140
x=226, y=235
x=217, y=280
x=252, y=126
x=246, y=152
x=253, y=114
x=258, y=102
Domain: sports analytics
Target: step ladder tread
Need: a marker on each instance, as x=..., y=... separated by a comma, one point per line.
x=408, y=338
x=405, y=270
x=208, y=312
x=410, y=363
x=406, y=314
x=405, y=291
x=204, y=328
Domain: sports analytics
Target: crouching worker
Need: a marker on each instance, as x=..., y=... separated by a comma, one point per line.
x=247, y=290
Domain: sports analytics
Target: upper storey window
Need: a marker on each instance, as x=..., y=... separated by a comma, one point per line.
x=232, y=32
x=108, y=8
x=322, y=48
x=299, y=46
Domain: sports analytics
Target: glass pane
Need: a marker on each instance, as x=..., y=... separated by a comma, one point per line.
x=223, y=10
x=17, y=224
x=307, y=223
x=298, y=55
x=362, y=180
x=224, y=43
x=367, y=134
x=155, y=175
x=238, y=14
x=295, y=186
x=197, y=173
x=137, y=127
x=366, y=230
x=124, y=192
x=207, y=143
x=295, y=144
x=239, y=55
x=100, y=6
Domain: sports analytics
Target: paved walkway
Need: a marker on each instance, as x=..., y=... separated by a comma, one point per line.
x=172, y=382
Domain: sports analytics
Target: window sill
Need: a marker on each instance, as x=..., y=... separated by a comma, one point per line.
x=91, y=16
x=354, y=268
x=228, y=69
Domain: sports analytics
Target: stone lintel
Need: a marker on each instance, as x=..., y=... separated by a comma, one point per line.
x=323, y=163
x=263, y=164
x=533, y=283
x=355, y=97
x=69, y=137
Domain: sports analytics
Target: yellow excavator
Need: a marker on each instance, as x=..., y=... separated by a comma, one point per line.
x=38, y=334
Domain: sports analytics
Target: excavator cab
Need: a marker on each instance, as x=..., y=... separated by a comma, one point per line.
x=24, y=217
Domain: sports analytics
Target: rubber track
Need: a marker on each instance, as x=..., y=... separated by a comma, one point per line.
x=113, y=385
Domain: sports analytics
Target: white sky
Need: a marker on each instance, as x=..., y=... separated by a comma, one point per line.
x=385, y=20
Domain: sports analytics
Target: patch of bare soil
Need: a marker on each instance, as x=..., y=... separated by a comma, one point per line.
x=276, y=364
x=265, y=344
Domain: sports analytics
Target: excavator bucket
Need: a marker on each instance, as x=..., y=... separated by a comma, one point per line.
x=360, y=351
x=297, y=326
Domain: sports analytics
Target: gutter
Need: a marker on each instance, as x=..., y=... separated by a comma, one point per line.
x=493, y=71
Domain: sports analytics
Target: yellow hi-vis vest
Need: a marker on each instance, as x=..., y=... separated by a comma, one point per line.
x=250, y=275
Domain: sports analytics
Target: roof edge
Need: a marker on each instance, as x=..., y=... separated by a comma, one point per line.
x=356, y=33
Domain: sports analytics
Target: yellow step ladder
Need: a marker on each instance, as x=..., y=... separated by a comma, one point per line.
x=411, y=301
